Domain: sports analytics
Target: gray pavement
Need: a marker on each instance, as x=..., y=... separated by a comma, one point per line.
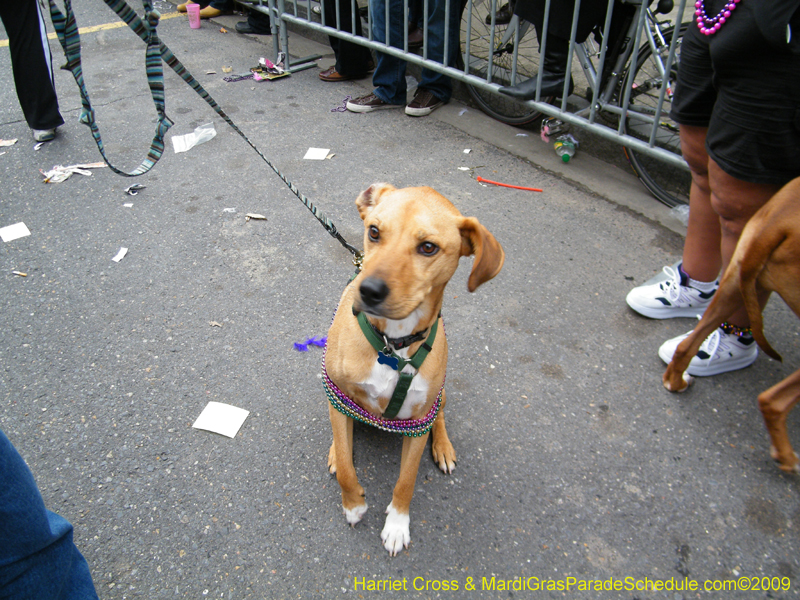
x=573, y=461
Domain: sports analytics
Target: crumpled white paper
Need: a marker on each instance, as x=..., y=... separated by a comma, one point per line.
x=182, y=143
x=60, y=173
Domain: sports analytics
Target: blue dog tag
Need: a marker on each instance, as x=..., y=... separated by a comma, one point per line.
x=388, y=360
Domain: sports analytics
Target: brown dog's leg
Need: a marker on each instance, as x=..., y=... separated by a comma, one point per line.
x=340, y=462
x=396, y=533
x=442, y=450
x=725, y=302
x=775, y=404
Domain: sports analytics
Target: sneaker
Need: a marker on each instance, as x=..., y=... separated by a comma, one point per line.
x=671, y=298
x=720, y=353
x=423, y=104
x=44, y=135
x=369, y=103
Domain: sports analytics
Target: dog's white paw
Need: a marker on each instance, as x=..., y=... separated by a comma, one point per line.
x=447, y=467
x=354, y=515
x=395, y=534
x=688, y=379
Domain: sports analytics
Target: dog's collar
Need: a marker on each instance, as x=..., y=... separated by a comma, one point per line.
x=387, y=356
x=391, y=343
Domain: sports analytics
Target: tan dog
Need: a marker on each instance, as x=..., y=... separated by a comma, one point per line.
x=413, y=240
x=766, y=259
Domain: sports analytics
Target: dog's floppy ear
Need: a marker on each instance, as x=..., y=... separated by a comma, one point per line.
x=369, y=198
x=489, y=255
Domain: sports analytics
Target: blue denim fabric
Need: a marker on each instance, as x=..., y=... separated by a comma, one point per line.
x=389, y=78
x=37, y=557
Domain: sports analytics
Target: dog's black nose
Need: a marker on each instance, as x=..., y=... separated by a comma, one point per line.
x=373, y=291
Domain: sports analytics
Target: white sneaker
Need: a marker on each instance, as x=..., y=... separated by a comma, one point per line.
x=720, y=353
x=44, y=135
x=671, y=298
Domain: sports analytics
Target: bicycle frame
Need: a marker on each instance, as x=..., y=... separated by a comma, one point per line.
x=602, y=96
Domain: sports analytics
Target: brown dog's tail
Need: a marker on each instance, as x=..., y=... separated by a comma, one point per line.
x=761, y=246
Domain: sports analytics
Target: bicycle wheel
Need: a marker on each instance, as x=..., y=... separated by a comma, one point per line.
x=500, y=48
x=669, y=184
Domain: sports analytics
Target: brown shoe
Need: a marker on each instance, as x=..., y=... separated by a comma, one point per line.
x=369, y=103
x=423, y=104
x=415, y=37
x=182, y=7
x=209, y=12
x=333, y=75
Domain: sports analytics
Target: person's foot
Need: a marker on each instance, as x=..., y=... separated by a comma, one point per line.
x=245, y=27
x=671, y=298
x=182, y=7
x=721, y=352
x=423, y=104
x=209, y=12
x=369, y=103
x=552, y=85
x=415, y=38
x=44, y=135
x=333, y=75
x=554, y=73
x=503, y=15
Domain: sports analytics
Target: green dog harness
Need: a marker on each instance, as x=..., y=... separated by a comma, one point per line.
x=387, y=356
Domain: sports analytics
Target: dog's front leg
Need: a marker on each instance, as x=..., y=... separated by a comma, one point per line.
x=340, y=463
x=396, y=534
x=443, y=452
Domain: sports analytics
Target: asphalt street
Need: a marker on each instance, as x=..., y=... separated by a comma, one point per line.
x=574, y=464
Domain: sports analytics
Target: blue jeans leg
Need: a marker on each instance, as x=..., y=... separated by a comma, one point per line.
x=37, y=557
x=389, y=77
x=440, y=85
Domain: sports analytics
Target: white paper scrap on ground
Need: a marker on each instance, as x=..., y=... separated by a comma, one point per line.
x=182, y=143
x=120, y=255
x=61, y=173
x=13, y=232
x=317, y=154
x=221, y=418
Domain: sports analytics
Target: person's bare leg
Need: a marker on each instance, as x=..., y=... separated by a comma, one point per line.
x=701, y=250
x=735, y=201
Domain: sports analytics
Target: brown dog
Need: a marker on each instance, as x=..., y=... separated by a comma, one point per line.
x=766, y=259
x=413, y=240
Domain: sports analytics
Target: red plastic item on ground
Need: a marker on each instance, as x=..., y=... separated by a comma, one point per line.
x=516, y=187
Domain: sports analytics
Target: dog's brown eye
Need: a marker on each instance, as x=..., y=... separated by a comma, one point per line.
x=373, y=233
x=428, y=248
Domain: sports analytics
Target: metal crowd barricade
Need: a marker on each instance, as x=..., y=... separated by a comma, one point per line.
x=305, y=14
